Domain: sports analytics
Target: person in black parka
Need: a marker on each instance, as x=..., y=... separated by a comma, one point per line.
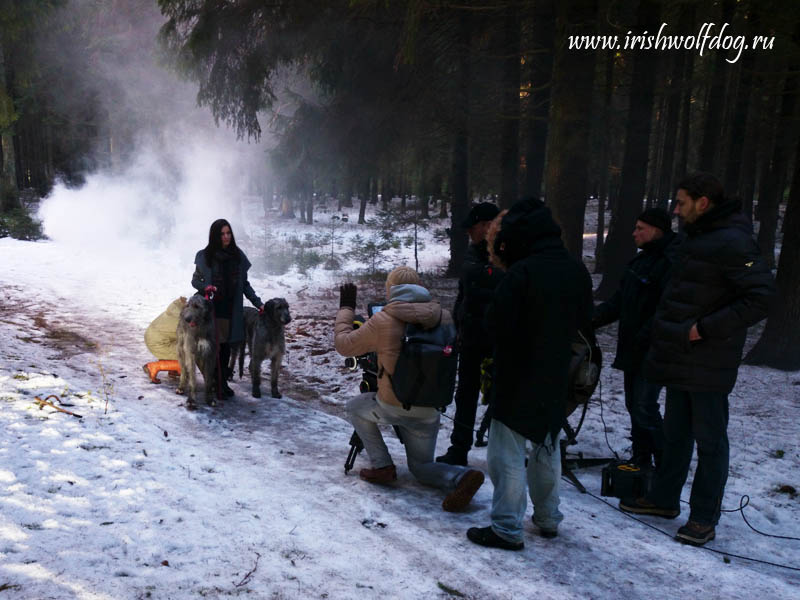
x=535, y=313
x=720, y=286
x=634, y=305
x=475, y=288
x=221, y=268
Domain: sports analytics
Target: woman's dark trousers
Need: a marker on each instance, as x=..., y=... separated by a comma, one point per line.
x=690, y=417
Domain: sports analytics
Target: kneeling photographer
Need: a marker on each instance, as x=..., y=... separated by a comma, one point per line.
x=407, y=303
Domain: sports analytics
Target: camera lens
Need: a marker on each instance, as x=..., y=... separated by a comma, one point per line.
x=363, y=387
x=351, y=363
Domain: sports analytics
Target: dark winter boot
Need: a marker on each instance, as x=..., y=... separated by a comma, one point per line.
x=223, y=372
x=453, y=456
x=485, y=536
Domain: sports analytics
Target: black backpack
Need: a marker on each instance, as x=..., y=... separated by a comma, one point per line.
x=425, y=374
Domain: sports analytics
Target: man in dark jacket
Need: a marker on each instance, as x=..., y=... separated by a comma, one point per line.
x=475, y=287
x=634, y=305
x=537, y=309
x=720, y=286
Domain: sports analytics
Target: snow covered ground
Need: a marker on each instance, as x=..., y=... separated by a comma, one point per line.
x=141, y=498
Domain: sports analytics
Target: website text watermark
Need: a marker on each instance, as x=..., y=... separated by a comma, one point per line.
x=706, y=39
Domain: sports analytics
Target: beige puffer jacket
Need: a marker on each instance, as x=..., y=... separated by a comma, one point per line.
x=383, y=333
x=161, y=336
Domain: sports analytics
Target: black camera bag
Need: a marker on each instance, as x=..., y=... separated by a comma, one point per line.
x=425, y=374
x=625, y=480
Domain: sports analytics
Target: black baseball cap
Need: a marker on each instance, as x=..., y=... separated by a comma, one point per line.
x=485, y=211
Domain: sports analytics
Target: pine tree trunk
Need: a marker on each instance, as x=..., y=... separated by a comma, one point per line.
x=656, y=154
x=619, y=247
x=603, y=173
x=568, y=154
x=772, y=190
x=9, y=192
x=364, y=196
x=460, y=157
x=714, y=109
x=738, y=143
x=301, y=201
x=309, y=206
x=779, y=345
x=541, y=72
x=509, y=143
x=386, y=190
x=672, y=117
x=682, y=163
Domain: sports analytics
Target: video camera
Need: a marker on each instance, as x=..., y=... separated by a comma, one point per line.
x=368, y=363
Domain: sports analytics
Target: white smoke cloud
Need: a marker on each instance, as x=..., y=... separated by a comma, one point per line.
x=163, y=201
x=184, y=173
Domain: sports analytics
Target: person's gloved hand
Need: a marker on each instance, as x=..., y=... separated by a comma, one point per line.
x=347, y=295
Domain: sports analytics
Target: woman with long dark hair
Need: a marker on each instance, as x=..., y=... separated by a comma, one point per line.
x=221, y=268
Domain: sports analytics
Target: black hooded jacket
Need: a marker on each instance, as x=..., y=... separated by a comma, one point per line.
x=720, y=282
x=475, y=288
x=634, y=303
x=537, y=308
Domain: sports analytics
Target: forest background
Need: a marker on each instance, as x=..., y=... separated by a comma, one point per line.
x=429, y=105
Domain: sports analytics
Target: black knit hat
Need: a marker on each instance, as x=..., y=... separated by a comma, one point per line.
x=485, y=211
x=657, y=217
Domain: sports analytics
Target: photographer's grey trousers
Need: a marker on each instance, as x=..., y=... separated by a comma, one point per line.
x=419, y=427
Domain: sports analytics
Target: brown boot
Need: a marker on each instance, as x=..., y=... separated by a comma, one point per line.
x=385, y=474
x=152, y=368
x=458, y=499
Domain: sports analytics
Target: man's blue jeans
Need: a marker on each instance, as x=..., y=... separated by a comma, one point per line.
x=419, y=427
x=506, y=461
x=690, y=417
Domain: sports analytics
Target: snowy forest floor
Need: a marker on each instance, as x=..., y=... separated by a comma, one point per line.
x=141, y=498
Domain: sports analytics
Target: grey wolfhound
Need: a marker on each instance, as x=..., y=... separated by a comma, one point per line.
x=197, y=346
x=264, y=336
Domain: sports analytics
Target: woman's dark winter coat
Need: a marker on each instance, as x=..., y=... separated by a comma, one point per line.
x=720, y=282
x=475, y=288
x=536, y=311
x=206, y=274
x=635, y=302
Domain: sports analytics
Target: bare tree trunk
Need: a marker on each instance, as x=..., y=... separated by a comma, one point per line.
x=568, y=154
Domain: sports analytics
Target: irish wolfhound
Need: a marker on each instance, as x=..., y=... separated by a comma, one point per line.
x=264, y=336
x=197, y=346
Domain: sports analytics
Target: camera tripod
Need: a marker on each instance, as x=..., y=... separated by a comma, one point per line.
x=578, y=461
